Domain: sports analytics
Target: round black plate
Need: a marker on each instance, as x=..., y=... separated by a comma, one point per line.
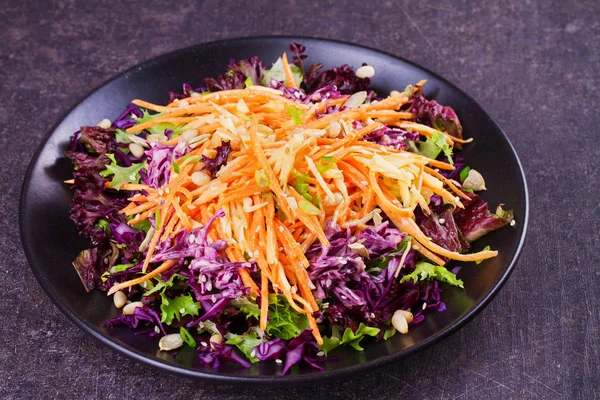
x=51, y=243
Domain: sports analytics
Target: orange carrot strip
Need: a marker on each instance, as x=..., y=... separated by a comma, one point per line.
x=162, y=268
x=264, y=300
x=289, y=76
x=264, y=164
x=447, y=182
x=149, y=106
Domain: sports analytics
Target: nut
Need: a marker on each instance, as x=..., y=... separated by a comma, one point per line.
x=356, y=99
x=366, y=71
x=105, y=123
x=217, y=338
x=119, y=299
x=474, y=181
x=334, y=129
x=359, y=249
x=170, y=342
x=199, y=178
x=136, y=149
x=130, y=308
x=399, y=322
x=188, y=135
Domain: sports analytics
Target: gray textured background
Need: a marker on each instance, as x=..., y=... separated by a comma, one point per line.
x=534, y=65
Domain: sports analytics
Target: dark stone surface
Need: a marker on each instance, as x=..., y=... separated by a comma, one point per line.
x=533, y=65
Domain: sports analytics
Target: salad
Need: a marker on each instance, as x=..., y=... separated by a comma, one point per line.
x=276, y=214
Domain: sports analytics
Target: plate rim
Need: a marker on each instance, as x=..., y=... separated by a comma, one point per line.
x=275, y=380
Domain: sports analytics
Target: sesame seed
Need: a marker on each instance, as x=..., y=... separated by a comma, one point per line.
x=372, y=315
x=442, y=220
x=343, y=297
x=192, y=238
x=513, y=223
x=182, y=310
x=156, y=329
x=281, y=229
x=209, y=286
x=424, y=306
x=278, y=361
x=415, y=247
x=328, y=283
x=321, y=353
x=214, y=298
x=204, y=344
x=253, y=353
x=203, y=278
x=167, y=190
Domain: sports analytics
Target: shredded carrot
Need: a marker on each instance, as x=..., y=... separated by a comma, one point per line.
x=162, y=268
x=289, y=76
x=348, y=179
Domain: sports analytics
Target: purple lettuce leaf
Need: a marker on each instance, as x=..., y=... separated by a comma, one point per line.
x=213, y=165
x=442, y=230
x=97, y=140
x=236, y=74
x=433, y=114
x=475, y=220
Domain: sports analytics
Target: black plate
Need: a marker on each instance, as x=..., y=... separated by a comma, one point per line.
x=51, y=243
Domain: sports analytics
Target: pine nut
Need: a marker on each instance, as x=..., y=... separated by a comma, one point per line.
x=200, y=178
x=130, y=308
x=188, y=135
x=407, y=315
x=334, y=129
x=119, y=299
x=105, y=123
x=356, y=100
x=217, y=338
x=399, y=322
x=474, y=181
x=170, y=342
x=366, y=71
x=136, y=149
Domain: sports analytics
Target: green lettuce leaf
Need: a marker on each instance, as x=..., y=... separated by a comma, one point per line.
x=276, y=72
x=121, y=175
x=283, y=322
x=245, y=343
x=434, y=145
x=177, y=307
x=350, y=338
x=426, y=271
x=158, y=129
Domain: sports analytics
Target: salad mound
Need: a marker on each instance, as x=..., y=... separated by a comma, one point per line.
x=277, y=214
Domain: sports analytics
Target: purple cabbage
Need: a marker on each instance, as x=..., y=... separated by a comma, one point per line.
x=221, y=352
x=354, y=295
x=140, y=314
x=301, y=348
x=392, y=137
x=160, y=159
x=125, y=120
